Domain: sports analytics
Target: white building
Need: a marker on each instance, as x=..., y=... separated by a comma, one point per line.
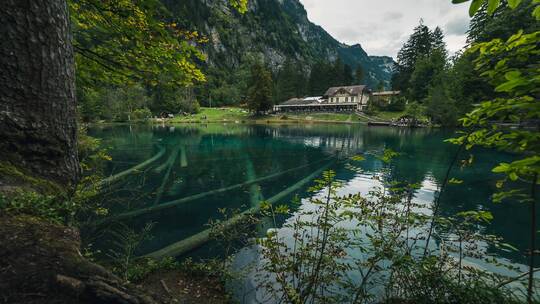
x=336, y=99
x=358, y=94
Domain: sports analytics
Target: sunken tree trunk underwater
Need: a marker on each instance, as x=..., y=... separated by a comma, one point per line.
x=37, y=90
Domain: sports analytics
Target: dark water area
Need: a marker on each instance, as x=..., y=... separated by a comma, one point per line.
x=202, y=158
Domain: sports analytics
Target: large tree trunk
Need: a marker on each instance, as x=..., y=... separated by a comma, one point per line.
x=37, y=89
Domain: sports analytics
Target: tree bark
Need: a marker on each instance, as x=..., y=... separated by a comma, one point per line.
x=38, y=127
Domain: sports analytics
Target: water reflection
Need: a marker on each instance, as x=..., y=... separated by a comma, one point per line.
x=202, y=158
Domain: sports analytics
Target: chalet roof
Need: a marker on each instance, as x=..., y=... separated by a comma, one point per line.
x=302, y=101
x=386, y=93
x=296, y=101
x=352, y=90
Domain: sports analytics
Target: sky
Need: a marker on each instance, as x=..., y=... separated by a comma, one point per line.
x=382, y=26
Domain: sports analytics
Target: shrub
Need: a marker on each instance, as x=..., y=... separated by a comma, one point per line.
x=141, y=114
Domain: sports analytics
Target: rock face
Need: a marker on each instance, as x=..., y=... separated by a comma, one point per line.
x=41, y=263
x=275, y=29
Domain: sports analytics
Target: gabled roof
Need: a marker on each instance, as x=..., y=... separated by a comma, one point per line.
x=386, y=93
x=302, y=101
x=352, y=90
x=296, y=101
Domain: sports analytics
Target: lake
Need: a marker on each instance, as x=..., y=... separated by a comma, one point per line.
x=193, y=161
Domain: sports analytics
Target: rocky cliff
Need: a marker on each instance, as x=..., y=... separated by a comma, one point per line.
x=275, y=30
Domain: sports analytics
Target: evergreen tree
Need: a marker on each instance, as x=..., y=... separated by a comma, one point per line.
x=437, y=40
x=337, y=73
x=260, y=89
x=428, y=71
x=359, y=75
x=319, y=79
x=503, y=23
x=380, y=86
x=348, y=78
x=286, y=82
x=417, y=46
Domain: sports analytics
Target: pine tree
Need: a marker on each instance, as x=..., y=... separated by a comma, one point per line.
x=287, y=82
x=359, y=75
x=337, y=78
x=348, y=78
x=418, y=46
x=437, y=40
x=260, y=90
x=320, y=78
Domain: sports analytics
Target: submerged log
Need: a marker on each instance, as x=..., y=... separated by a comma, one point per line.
x=183, y=157
x=184, y=200
x=203, y=237
x=255, y=195
x=112, y=179
x=170, y=163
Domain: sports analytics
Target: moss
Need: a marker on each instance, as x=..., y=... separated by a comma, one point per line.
x=14, y=177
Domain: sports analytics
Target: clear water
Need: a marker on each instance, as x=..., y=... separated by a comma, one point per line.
x=201, y=158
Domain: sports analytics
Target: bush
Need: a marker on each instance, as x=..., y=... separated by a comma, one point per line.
x=397, y=104
x=141, y=114
x=31, y=203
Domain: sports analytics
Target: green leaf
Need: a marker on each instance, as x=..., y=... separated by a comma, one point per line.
x=512, y=75
x=513, y=3
x=358, y=158
x=513, y=176
x=536, y=13
x=455, y=181
x=492, y=6
x=475, y=6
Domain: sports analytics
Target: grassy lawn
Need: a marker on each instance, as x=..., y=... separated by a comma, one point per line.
x=214, y=114
x=242, y=115
x=389, y=115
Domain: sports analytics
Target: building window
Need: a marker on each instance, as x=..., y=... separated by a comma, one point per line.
x=352, y=99
x=346, y=99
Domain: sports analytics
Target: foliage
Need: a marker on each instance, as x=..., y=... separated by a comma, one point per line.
x=48, y=207
x=142, y=114
x=419, y=45
x=357, y=249
x=140, y=269
x=415, y=111
x=259, y=98
x=124, y=244
x=45, y=200
x=506, y=64
x=290, y=82
x=124, y=40
x=503, y=22
x=511, y=66
x=327, y=74
x=427, y=72
x=397, y=104
x=231, y=237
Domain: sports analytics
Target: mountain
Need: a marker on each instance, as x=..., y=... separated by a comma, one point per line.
x=275, y=30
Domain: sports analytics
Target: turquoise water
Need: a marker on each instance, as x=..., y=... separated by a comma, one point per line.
x=202, y=158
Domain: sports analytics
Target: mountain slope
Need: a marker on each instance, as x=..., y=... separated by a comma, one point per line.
x=272, y=29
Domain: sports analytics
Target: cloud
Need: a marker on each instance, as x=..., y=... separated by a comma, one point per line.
x=457, y=26
x=382, y=26
x=393, y=15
